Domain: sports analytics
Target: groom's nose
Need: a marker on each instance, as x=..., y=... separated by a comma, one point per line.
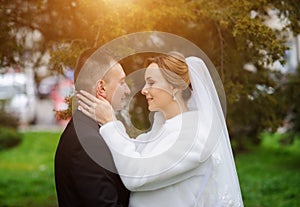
x=127, y=90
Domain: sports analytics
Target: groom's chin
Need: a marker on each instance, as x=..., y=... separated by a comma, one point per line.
x=119, y=107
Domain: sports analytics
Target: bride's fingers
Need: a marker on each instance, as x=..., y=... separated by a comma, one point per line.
x=84, y=105
x=92, y=100
x=87, y=112
x=90, y=96
x=85, y=100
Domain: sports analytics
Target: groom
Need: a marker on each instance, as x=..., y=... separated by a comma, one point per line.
x=84, y=168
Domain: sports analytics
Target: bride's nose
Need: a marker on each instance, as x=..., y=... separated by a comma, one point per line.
x=144, y=91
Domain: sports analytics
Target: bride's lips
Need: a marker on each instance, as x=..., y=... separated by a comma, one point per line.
x=149, y=99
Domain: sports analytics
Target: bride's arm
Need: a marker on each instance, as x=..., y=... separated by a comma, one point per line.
x=137, y=172
x=140, y=173
x=115, y=136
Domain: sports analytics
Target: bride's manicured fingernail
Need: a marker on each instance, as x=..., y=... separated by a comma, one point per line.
x=79, y=108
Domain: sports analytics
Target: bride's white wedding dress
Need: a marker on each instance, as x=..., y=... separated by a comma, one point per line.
x=183, y=161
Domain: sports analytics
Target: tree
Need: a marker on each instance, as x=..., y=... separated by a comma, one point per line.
x=290, y=95
x=231, y=32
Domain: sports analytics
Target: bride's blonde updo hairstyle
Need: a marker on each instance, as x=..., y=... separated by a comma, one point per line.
x=174, y=69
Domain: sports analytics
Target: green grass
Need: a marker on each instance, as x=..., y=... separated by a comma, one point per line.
x=269, y=175
x=26, y=172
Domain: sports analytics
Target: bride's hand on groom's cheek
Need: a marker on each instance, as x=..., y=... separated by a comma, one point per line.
x=98, y=109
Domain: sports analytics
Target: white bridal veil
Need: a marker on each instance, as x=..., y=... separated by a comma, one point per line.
x=205, y=99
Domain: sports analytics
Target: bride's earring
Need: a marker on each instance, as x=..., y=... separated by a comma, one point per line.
x=174, y=97
x=174, y=91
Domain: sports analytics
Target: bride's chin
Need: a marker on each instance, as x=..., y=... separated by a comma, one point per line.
x=151, y=108
x=154, y=109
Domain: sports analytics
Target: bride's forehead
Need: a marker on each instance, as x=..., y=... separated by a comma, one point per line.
x=153, y=72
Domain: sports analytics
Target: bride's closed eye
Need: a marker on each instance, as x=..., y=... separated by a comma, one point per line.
x=150, y=82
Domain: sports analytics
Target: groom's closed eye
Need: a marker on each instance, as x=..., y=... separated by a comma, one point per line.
x=122, y=81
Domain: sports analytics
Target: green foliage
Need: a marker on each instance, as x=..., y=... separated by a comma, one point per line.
x=8, y=44
x=261, y=111
x=26, y=175
x=284, y=142
x=232, y=33
x=9, y=138
x=291, y=97
x=65, y=54
x=65, y=114
x=8, y=120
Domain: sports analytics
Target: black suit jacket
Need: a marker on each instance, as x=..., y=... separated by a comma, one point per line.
x=82, y=177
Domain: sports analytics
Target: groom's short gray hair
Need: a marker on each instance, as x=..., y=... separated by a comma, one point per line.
x=93, y=69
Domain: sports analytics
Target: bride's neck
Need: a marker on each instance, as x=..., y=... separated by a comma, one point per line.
x=176, y=107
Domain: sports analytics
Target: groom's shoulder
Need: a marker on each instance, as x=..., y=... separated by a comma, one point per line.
x=80, y=120
x=82, y=127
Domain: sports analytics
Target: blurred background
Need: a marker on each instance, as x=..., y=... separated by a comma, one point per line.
x=254, y=44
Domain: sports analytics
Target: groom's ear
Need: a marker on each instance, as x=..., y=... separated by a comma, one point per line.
x=100, y=89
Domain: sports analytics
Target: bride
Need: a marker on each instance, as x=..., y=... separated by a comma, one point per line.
x=186, y=158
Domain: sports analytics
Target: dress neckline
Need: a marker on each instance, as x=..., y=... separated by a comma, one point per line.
x=179, y=116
